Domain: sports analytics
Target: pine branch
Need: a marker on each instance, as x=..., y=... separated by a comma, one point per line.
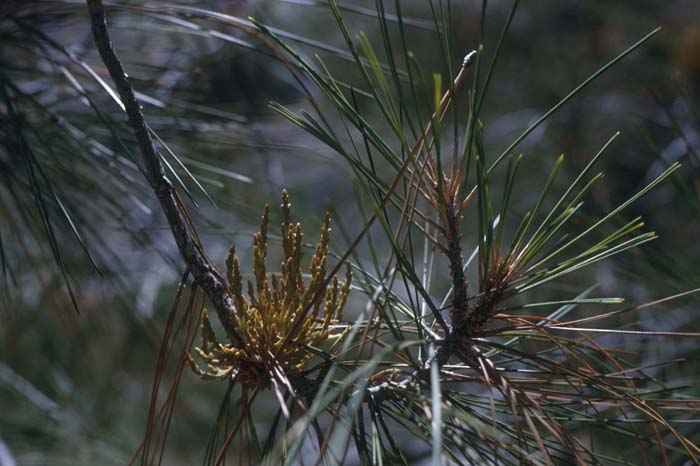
x=204, y=273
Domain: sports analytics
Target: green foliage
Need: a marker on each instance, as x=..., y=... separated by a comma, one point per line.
x=467, y=327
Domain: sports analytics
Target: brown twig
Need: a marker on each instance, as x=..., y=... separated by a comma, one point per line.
x=204, y=273
x=459, y=310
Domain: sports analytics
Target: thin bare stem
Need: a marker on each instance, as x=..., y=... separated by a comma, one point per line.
x=204, y=273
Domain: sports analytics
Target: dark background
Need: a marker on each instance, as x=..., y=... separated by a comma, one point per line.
x=74, y=389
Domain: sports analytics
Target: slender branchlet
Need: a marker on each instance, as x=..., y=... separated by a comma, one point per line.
x=204, y=273
x=459, y=309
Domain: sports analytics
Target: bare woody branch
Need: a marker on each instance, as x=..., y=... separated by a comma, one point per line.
x=204, y=273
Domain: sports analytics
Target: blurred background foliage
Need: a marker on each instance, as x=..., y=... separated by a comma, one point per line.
x=80, y=229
